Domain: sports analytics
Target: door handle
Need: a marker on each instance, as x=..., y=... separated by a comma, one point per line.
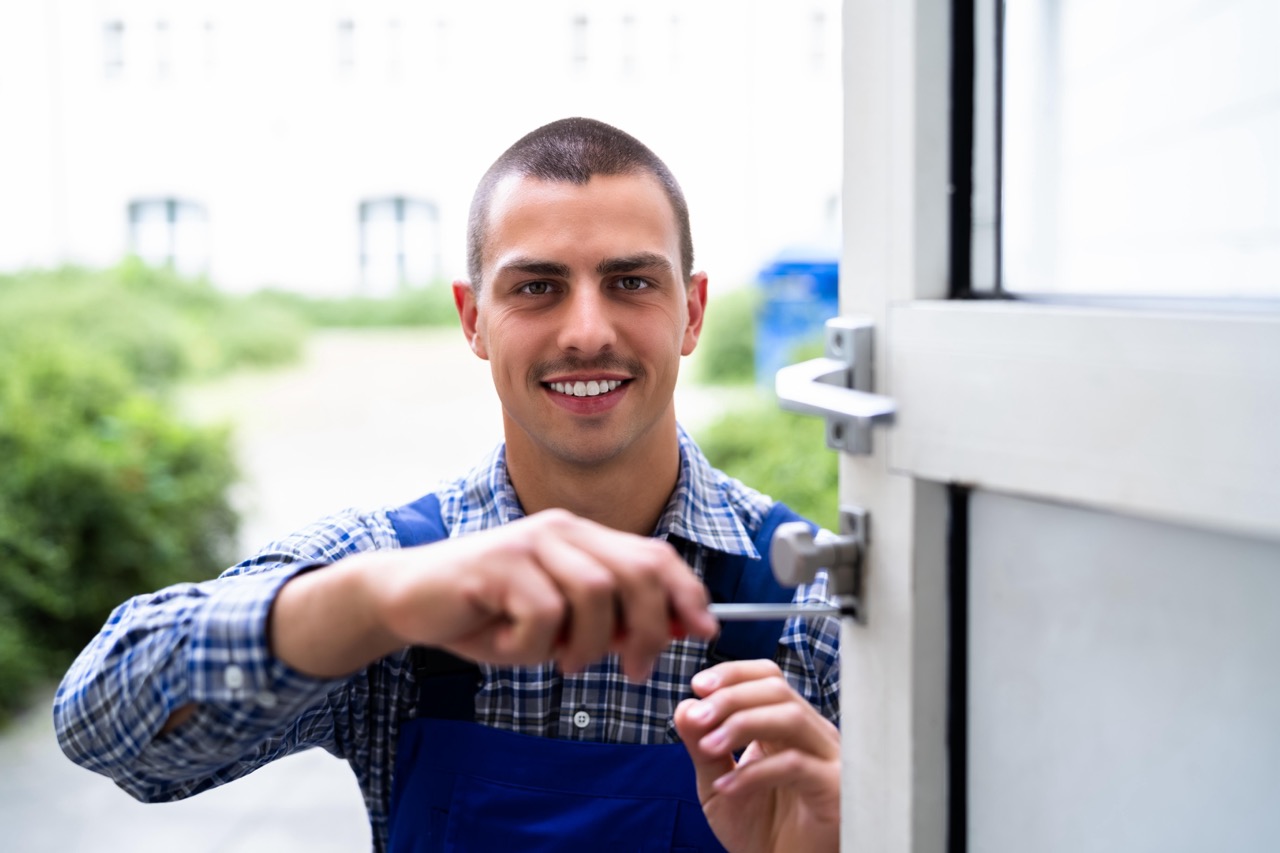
x=838, y=386
x=797, y=556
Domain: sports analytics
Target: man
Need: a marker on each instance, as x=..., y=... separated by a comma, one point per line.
x=562, y=564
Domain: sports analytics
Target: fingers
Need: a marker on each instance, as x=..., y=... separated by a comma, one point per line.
x=587, y=625
x=556, y=587
x=624, y=593
x=516, y=616
x=708, y=766
x=647, y=569
x=745, y=702
x=733, y=672
x=803, y=774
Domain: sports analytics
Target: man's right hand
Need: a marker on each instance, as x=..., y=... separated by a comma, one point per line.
x=550, y=587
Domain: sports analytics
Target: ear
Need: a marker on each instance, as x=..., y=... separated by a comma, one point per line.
x=469, y=313
x=696, y=302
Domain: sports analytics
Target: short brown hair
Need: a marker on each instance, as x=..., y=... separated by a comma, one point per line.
x=573, y=149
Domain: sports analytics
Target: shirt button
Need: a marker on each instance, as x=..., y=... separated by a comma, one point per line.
x=582, y=719
x=267, y=699
x=233, y=677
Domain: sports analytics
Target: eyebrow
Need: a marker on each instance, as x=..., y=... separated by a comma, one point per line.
x=631, y=263
x=534, y=266
x=609, y=266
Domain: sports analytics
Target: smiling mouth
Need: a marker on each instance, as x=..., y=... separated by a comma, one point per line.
x=592, y=388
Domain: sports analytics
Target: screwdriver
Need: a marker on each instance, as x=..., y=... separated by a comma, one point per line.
x=756, y=612
x=762, y=612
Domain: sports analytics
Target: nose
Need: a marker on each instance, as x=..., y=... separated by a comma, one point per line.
x=588, y=325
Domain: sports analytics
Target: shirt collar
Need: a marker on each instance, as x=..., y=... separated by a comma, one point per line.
x=698, y=511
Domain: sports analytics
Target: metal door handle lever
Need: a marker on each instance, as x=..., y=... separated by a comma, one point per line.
x=838, y=387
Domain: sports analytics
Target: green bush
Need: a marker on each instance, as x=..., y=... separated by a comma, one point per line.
x=726, y=353
x=413, y=306
x=103, y=492
x=159, y=326
x=782, y=454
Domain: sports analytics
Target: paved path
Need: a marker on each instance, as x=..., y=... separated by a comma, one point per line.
x=369, y=418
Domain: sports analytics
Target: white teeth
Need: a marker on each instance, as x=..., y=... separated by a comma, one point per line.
x=593, y=388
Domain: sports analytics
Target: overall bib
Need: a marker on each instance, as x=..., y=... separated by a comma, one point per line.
x=461, y=786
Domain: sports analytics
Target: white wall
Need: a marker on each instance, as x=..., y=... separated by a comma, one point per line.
x=254, y=117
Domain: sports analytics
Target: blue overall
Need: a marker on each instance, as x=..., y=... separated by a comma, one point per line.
x=461, y=786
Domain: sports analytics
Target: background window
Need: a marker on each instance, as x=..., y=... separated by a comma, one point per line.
x=113, y=48
x=210, y=44
x=399, y=243
x=393, y=47
x=170, y=232
x=628, y=44
x=346, y=44
x=579, y=47
x=164, y=50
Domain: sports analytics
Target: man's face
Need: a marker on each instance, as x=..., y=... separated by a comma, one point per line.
x=583, y=314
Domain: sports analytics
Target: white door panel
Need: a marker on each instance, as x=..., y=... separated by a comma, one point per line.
x=1164, y=415
x=1123, y=684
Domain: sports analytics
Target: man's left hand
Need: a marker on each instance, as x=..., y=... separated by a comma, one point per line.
x=784, y=793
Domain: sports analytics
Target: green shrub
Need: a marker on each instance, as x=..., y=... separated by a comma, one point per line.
x=782, y=454
x=726, y=351
x=103, y=494
x=159, y=326
x=413, y=306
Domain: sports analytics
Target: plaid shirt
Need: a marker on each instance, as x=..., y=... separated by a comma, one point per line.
x=206, y=643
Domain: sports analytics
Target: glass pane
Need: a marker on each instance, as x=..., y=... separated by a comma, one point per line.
x=381, y=233
x=421, y=252
x=1142, y=148
x=1123, y=690
x=151, y=233
x=191, y=239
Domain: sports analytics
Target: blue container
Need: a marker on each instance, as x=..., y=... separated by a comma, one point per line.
x=800, y=291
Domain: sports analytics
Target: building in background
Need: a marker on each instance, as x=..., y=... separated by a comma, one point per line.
x=332, y=147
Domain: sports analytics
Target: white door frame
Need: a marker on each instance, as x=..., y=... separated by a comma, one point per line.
x=1163, y=416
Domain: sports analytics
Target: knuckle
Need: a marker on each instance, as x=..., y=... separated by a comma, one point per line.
x=789, y=763
x=793, y=715
x=651, y=559
x=555, y=518
x=773, y=672
x=596, y=583
x=782, y=689
x=548, y=610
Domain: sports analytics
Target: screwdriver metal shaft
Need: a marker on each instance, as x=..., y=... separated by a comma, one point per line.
x=750, y=612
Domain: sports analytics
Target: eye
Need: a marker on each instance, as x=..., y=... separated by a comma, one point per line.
x=632, y=282
x=536, y=288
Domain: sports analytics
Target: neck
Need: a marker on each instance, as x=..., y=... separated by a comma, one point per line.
x=628, y=492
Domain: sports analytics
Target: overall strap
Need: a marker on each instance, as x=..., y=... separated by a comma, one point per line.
x=738, y=579
x=453, y=681
x=418, y=523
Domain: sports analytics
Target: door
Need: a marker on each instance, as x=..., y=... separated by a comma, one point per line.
x=1063, y=217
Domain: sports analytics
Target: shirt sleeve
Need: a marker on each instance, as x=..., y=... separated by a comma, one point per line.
x=204, y=644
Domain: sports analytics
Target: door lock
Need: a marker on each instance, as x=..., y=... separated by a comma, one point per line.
x=797, y=555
